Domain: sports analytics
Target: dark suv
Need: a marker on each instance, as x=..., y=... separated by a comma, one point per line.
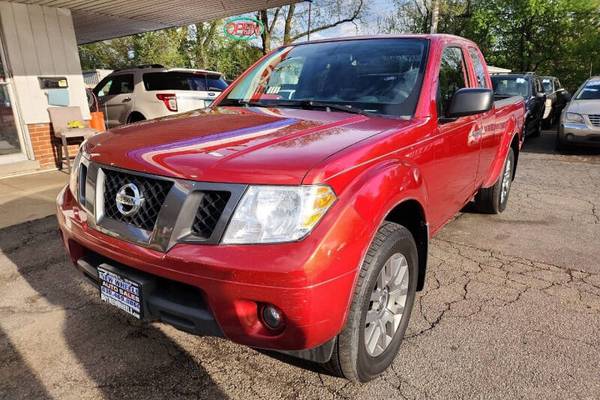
x=557, y=98
x=528, y=86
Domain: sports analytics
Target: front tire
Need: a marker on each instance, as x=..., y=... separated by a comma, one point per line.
x=381, y=306
x=493, y=200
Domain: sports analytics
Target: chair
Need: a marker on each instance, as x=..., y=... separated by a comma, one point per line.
x=60, y=117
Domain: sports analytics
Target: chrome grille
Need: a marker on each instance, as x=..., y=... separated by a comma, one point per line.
x=594, y=119
x=209, y=212
x=154, y=192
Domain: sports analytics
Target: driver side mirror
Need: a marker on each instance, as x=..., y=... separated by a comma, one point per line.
x=470, y=101
x=540, y=95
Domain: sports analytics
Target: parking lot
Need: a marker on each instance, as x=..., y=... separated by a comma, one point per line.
x=511, y=310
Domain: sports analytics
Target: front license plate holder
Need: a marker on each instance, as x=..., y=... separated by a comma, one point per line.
x=121, y=292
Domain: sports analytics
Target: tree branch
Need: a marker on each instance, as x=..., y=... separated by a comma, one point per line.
x=353, y=17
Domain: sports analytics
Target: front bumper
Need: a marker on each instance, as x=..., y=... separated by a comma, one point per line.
x=579, y=134
x=302, y=279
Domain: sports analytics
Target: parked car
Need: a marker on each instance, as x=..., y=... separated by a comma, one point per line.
x=152, y=91
x=530, y=88
x=300, y=221
x=557, y=98
x=580, y=120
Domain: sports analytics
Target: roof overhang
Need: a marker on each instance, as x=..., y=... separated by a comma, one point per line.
x=106, y=19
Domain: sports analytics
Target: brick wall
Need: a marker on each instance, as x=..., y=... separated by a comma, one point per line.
x=44, y=145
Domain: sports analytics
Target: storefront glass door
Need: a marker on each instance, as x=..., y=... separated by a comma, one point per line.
x=11, y=145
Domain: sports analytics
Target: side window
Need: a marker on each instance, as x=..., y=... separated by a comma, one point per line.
x=557, y=85
x=478, y=66
x=452, y=77
x=538, y=86
x=103, y=87
x=121, y=84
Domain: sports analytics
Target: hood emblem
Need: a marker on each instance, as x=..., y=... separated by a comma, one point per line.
x=129, y=199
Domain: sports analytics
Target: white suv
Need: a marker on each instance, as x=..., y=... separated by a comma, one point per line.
x=152, y=91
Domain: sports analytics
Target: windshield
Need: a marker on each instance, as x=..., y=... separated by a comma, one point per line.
x=508, y=86
x=548, y=87
x=183, y=81
x=381, y=76
x=589, y=91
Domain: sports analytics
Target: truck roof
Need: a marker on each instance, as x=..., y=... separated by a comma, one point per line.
x=436, y=37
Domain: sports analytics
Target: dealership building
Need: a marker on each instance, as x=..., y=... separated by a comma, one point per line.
x=40, y=64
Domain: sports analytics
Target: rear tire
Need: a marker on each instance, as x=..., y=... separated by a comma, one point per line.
x=493, y=200
x=392, y=258
x=561, y=146
x=538, y=130
x=135, y=117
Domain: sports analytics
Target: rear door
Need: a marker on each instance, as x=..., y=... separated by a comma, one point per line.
x=489, y=136
x=115, y=95
x=457, y=154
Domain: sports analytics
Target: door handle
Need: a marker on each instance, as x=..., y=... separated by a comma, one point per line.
x=126, y=100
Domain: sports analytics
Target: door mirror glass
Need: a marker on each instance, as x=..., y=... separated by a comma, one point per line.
x=470, y=101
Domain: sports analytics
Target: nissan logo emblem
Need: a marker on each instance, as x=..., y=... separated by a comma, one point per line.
x=129, y=199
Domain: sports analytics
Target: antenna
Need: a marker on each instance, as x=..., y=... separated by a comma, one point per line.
x=309, y=17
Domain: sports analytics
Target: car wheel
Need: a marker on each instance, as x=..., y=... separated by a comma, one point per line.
x=380, y=308
x=135, y=117
x=560, y=145
x=538, y=130
x=493, y=200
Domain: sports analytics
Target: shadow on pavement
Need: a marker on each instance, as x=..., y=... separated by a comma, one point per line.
x=122, y=357
x=546, y=144
x=17, y=379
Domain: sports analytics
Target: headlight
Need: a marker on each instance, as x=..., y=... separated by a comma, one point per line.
x=271, y=214
x=574, y=117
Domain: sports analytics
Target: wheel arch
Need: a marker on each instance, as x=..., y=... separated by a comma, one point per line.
x=411, y=214
x=135, y=116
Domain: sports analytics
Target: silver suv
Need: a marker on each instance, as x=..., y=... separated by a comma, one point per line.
x=152, y=91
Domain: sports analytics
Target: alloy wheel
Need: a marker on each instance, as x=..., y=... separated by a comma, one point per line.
x=386, y=305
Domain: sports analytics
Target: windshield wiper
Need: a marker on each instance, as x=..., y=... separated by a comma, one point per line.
x=311, y=104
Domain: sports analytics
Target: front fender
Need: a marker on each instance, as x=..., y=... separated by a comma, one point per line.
x=367, y=201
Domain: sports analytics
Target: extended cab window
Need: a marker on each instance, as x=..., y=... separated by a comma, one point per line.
x=478, y=66
x=379, y=76
x=452, y=77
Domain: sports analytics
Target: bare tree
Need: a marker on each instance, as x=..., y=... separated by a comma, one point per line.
x=327, y=14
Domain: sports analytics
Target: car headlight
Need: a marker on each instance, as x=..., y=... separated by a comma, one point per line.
x=574, y=117
x=274, y=214
x=75, y=168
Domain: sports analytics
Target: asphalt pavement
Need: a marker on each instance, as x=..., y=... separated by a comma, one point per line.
x=511, y=309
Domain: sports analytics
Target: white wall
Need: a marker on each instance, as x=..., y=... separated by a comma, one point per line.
x=40, y=41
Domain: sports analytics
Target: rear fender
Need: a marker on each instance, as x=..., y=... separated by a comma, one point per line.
x=510, y=131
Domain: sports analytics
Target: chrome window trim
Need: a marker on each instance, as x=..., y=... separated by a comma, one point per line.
x=175, y=218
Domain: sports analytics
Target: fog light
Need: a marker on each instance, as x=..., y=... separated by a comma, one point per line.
x=272, y=317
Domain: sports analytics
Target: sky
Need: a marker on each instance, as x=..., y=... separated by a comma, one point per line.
x=377, y=9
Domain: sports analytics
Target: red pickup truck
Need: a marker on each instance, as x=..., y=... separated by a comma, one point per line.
x=295, y=213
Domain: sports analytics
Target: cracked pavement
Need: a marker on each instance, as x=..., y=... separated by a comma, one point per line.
x=511, y=309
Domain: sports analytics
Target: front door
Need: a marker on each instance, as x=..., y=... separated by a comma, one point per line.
x=115, y=95
x=458, y=144
x=11, y=140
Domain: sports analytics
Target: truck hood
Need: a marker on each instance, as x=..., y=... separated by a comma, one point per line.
x=235, y=144
x=585, y=106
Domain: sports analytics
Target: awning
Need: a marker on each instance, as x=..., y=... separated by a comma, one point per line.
x=96, y=20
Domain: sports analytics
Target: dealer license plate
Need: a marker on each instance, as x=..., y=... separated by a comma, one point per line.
x=120, y=292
